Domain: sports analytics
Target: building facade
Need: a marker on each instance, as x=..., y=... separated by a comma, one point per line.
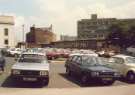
x=7, y=34
x=80, y=44
x=67, y=38
x=38, y=36
x=98, y=28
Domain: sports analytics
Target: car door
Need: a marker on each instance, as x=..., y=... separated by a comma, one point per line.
x=72, y=64
x=78, y=65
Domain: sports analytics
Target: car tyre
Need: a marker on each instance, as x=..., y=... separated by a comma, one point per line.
x=131, y=77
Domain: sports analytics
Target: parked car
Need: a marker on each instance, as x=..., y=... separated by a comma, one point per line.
x=125, y=65
x=2, y=62
x=106, y=53
x=31, y=67
x=90, y=68
x=14, y=52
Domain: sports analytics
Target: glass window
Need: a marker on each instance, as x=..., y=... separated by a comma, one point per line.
x=117, y=60
x=130, y=60
x=32, y=58
x=6, y=42
x=78, y=60
x=6, y=31
x=74, y=58
x=92, y=61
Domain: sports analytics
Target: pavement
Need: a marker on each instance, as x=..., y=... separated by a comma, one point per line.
x=60, y=83
x=118, y=90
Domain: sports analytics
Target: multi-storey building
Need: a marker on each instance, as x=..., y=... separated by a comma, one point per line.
x=7, y=35
x=98, y=28
x=39, y=36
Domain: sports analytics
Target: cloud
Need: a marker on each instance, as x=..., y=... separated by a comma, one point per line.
x=64, y=14
x=65, y=18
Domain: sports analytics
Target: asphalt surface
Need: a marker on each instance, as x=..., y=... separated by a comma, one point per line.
x=58, y=78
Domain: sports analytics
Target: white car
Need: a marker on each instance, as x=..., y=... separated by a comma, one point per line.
x=125, y=65
x=15, y=51
x=31, y=67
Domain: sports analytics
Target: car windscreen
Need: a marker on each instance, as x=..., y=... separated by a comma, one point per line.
x=130, y=60
x=31, y=58
x=92, y=61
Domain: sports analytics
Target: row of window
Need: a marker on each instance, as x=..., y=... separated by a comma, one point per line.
x=96, y=22
x=84, y=35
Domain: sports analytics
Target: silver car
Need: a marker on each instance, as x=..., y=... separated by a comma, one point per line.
x=31, y=67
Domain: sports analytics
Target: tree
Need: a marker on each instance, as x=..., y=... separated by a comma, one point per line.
x=116, y=35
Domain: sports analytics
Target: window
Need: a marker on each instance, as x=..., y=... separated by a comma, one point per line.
x=74, y=58
x=6, y=31
x=6, y=42
x=78, y=60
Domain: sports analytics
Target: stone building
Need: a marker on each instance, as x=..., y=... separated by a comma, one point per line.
x=7, y=33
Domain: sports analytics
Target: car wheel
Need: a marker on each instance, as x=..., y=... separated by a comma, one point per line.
x=131, y=77
x=108, y=82
x=68, y=71
x=84, y=80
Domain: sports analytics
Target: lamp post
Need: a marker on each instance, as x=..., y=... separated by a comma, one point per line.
x=23, y=33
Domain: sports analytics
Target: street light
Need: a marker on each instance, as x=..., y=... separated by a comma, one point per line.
x=23, y=33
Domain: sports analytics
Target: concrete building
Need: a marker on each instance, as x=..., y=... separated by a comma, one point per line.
x=40, y=36
x=67, y=38
x=7, y=34
x=97, y=28
x=80, y=44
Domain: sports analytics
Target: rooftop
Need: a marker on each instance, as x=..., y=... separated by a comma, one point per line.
x=7, y=20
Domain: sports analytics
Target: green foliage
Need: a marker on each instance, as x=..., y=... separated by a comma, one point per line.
x=122, y=34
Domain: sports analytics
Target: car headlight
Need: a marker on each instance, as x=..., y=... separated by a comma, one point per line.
x=15, y=72
x=95, y=73
x=42, y=73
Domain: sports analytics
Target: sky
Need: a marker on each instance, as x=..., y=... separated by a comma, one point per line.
x=62, y=14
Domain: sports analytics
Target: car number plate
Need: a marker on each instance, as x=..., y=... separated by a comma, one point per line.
x=107, y=79
x=30, y=79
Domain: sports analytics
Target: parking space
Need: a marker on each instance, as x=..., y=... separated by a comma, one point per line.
x=58, y=78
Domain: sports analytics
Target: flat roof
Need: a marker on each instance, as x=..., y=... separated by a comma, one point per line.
x=7, y=20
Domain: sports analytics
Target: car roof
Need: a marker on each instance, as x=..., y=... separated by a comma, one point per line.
x=34, y=53
x=80, y=54
x=122, y=56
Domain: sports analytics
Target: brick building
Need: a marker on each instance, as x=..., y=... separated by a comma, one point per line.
x=38, y=36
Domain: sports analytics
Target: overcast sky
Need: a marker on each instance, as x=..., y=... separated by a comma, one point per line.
x=63, y=14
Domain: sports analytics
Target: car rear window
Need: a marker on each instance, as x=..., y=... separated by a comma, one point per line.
x=32, y=58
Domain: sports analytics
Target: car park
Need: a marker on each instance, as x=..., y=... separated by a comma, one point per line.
x=125, y=65
x=31, y=66
x=90, y=68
